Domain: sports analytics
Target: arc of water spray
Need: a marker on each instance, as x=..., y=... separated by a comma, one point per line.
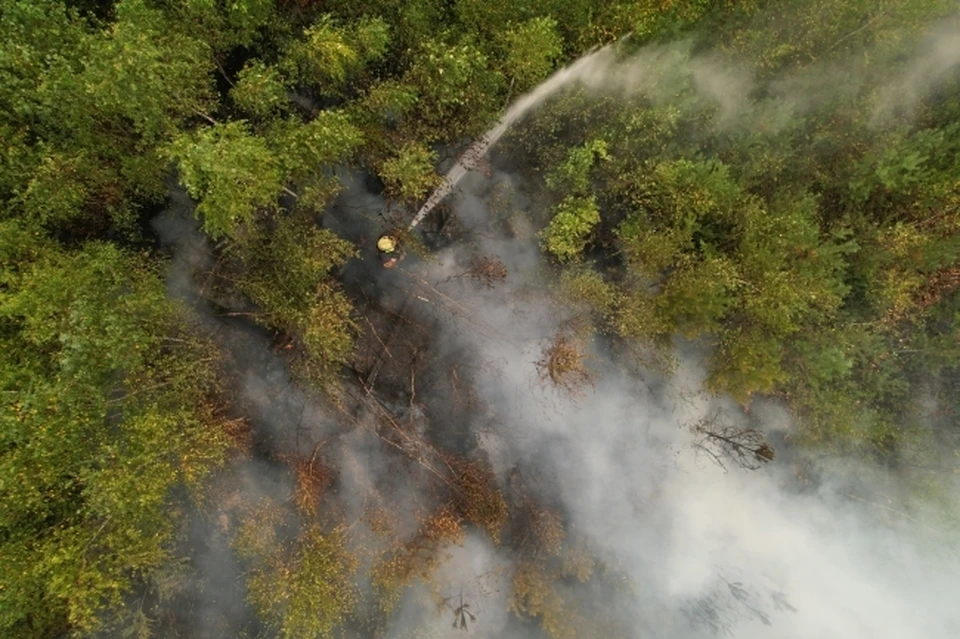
x=580, y=69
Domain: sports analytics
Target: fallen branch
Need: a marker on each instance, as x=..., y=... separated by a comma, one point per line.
x=894, y=510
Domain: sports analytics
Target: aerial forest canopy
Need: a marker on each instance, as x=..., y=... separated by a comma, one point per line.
x=211, y=390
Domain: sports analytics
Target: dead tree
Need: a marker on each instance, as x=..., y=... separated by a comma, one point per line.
x=745, y=447
x=462, y=614
x=562, y=363
x=727, y=604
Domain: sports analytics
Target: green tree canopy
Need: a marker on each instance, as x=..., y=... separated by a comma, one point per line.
x=107, y=408
x=231, y=172
x=302, y=589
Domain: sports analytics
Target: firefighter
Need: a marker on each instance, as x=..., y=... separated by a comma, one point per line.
x=390, y=252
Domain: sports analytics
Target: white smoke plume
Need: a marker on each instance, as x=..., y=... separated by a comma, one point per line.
x=708, y=551
x=937, y=60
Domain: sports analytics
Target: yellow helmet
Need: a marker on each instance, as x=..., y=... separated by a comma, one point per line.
x=386, y=244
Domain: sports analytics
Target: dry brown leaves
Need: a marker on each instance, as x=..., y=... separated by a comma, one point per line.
x=313, y=477
x=548, y=530
x=443, y=526
x=477, y=497
x=562, y=363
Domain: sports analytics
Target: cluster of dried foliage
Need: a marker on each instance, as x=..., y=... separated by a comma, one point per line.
x=562, y=363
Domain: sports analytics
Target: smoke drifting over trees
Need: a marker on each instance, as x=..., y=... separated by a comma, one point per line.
x=674, y=355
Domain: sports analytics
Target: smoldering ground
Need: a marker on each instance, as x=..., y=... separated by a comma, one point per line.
x=688, y=549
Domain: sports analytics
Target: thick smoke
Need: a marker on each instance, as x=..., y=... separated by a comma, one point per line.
x=709, y=550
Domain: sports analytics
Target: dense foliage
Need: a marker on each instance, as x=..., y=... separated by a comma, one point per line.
x=109, y=405
x=810, y=242
x=807, y=235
